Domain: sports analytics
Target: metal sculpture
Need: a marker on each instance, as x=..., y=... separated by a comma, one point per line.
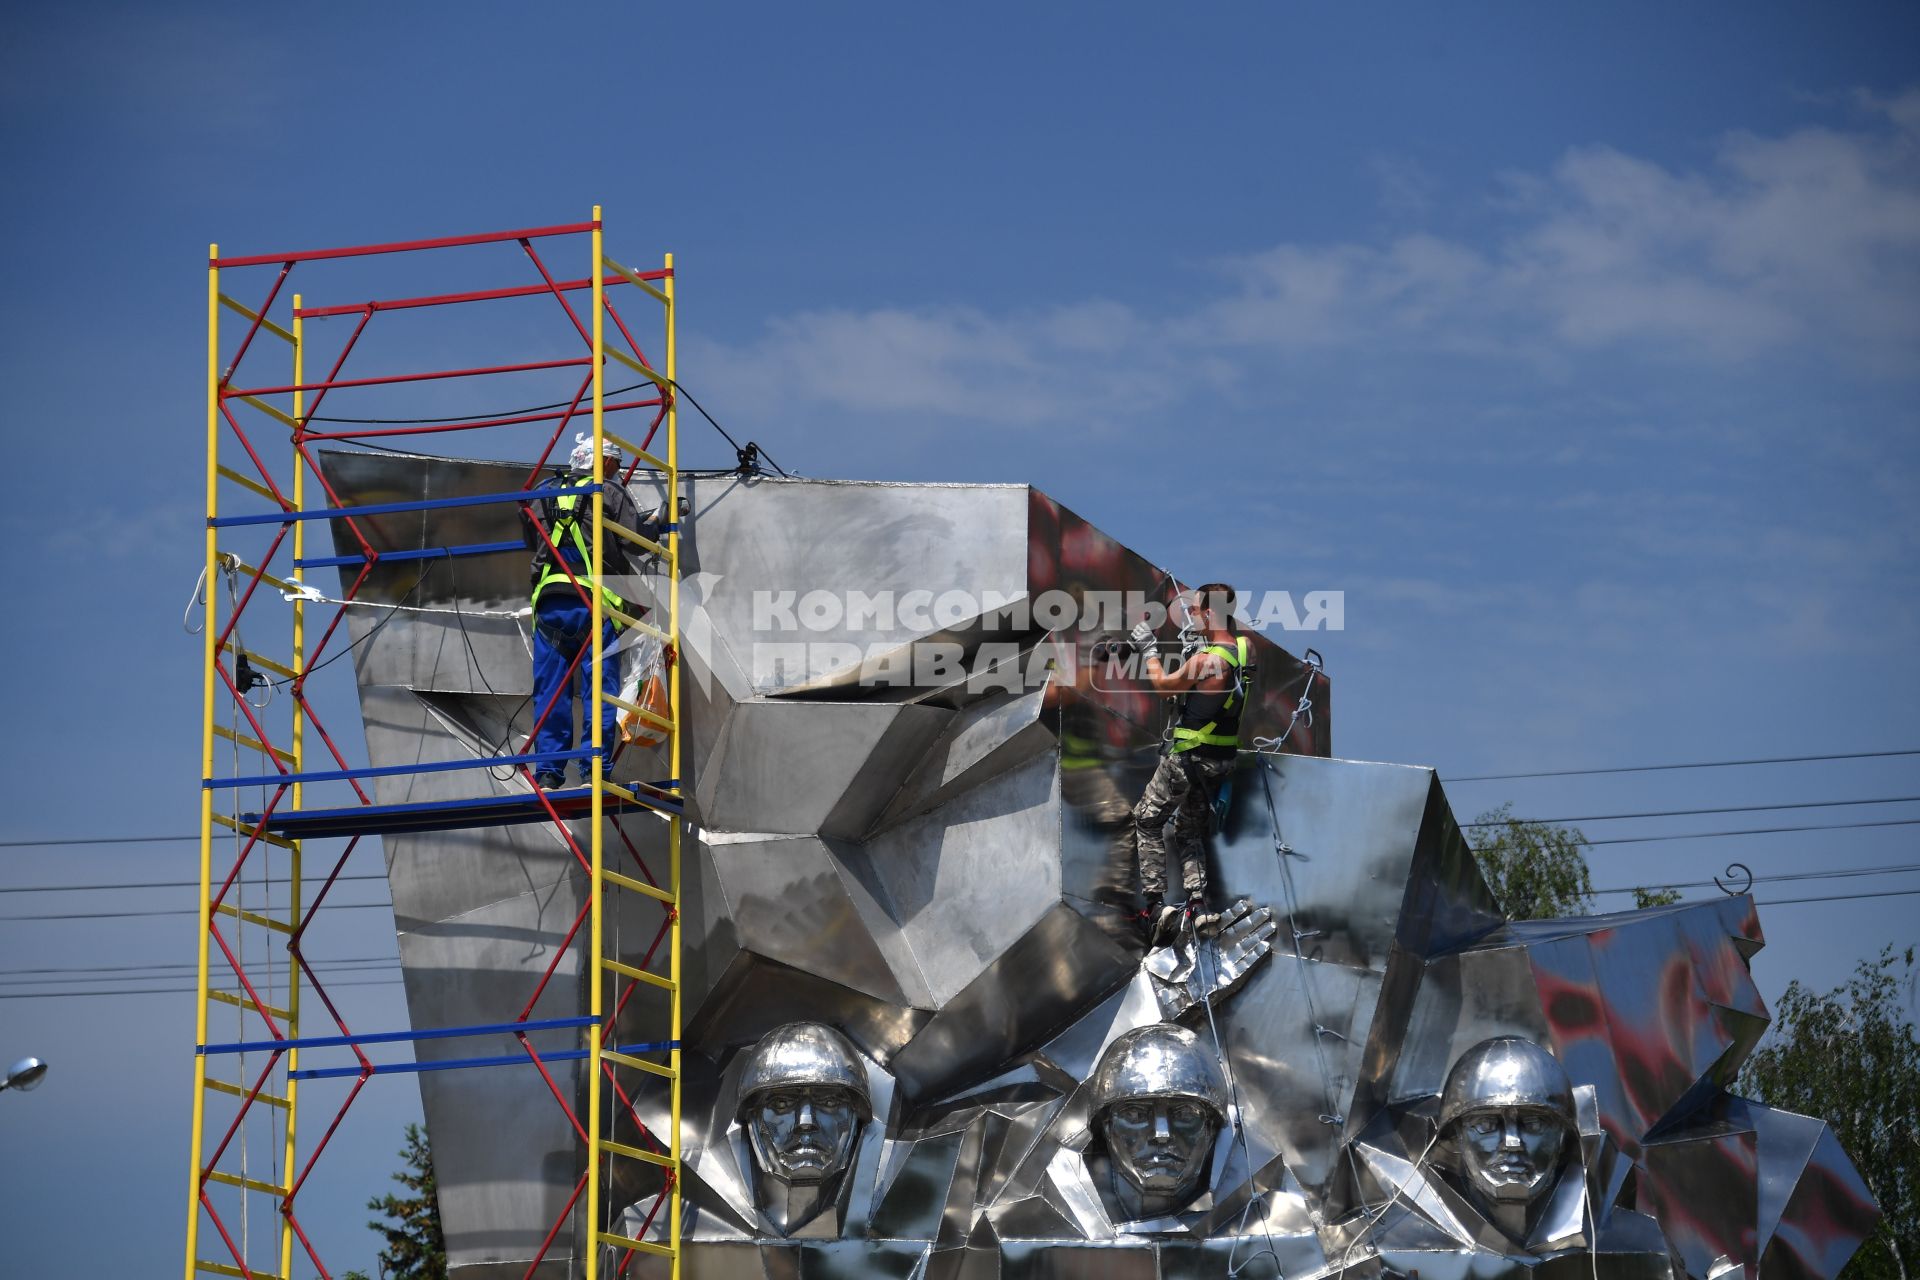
x=803, y=1098
x=1158, y=1102
x=918, y=863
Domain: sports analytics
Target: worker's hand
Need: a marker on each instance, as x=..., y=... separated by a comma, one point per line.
x=1143, y=638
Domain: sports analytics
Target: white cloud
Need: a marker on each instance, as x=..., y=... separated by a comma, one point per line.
x=1804, y=242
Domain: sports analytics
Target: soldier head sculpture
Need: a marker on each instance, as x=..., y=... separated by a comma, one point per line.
x=803, y=1099
x=1157, y=1103
x=1507, y=1125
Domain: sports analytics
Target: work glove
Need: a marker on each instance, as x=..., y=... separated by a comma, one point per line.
x=1143, y=638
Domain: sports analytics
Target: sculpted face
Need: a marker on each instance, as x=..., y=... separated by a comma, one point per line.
x=1160, y=1145
x=1511, y=1154
x=803, y=1134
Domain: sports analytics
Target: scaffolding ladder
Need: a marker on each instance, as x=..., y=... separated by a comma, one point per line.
x=272, y=509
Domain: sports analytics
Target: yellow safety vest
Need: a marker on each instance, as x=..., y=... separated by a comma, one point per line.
x=1223, y=729
x=569, y=507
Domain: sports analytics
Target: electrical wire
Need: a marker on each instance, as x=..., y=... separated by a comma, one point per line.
x=150, y=884
x=1688, y=813
x=392, y=611
x=183, y=911
x=728, y=436
x=168, y=991
x=188, y=965
x=1688, y=835
x=1844, y=873
x=1701, y=764
x=1758, y=831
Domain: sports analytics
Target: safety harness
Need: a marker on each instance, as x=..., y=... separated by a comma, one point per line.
x=1221, y=727
x=563, y=514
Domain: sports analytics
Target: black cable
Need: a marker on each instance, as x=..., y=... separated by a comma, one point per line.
x=1688, y=813
x=51, y=844
x=189, y=965
x=1836, y=897
x=378, y=627
x=95, y=979
x=1703, y=764
x=183, y=911
x=157, y=884
x=1846, y=873
x=1687, y=835
x=1758, y=831
x=743, y=453
x=171, y=991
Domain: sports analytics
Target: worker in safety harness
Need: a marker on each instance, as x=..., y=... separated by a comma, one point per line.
x=563, y=616
x=1215, y=674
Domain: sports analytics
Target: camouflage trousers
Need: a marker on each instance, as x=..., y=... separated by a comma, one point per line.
x=1181, y=791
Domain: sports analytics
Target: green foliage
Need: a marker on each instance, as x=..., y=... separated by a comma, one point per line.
x=415, y=1248
x=1535, y=869
x=1644, y=898
x=1851, y=1057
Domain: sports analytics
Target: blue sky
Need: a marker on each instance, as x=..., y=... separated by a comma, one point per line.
x=1576, y=345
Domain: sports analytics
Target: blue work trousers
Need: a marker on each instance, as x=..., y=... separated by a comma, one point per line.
x=562, y=629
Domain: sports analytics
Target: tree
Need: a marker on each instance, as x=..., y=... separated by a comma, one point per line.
x=415, y=1248
x=1644, y=898
x=1851, y=1057
x=1535, y=869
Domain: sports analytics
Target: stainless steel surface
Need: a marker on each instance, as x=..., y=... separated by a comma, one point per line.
x=804, y=1054
x=1162, y=1060
x=1506, y=1073
x=937, y=870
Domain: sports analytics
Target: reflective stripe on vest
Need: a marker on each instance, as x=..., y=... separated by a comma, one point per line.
x=553, y=573
x=1208, y=734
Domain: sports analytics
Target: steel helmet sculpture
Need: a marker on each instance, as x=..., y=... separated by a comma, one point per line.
x=903, y=787
x=803, y=1098
x=1506, y=1113
x=1158, y=1102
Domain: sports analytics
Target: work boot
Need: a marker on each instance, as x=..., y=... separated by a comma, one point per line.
x=1206, y=921
x=1160, y=922
x=550, y=779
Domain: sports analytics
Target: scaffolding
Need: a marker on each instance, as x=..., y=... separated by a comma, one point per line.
x=257, y=527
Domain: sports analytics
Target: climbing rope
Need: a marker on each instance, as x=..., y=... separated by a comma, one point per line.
x=1303, y=709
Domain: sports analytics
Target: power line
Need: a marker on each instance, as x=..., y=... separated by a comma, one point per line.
x=1689, y=813
x=50, y=844
x=164, y=884
x=183, y=911
x=95, y=978
x=188, y=965
x=1701, y=764
x=1758, y=831
x=1841, y=874
x=166, y=991
x=1836, y=897
x=390, y=982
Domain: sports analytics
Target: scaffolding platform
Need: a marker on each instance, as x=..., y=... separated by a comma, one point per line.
x=569, y=804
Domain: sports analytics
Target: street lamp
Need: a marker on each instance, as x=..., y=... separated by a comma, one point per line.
x=24, y=1074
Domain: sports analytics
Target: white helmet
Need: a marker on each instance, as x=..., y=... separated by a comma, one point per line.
x=582, y=459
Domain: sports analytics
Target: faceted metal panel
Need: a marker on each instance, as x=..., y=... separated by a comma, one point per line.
x=943, y=872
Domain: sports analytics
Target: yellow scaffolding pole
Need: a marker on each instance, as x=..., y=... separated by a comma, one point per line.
x=209, y=655
x=673, y=751
x=296, y=743
x=596, y=1007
